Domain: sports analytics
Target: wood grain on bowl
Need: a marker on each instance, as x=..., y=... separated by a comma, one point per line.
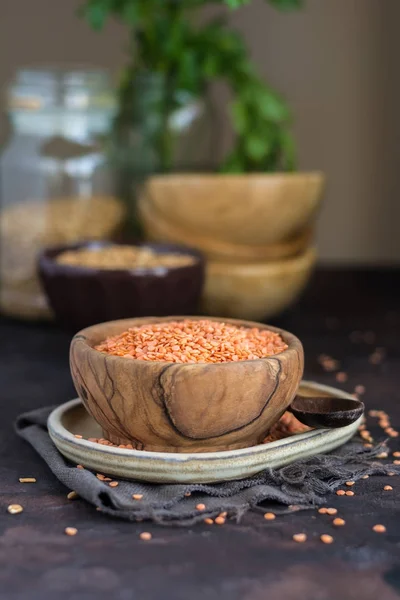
x=256, y=291
x=158, y=228
x=254, y=209
x=71, y=418
x=174, y=407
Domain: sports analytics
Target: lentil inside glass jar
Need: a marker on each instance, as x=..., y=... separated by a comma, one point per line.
x=56, y=185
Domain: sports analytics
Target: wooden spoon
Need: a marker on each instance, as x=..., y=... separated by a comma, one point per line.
x=326, y=412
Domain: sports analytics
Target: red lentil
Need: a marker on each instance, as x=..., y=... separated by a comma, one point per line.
x=349, y=493
x=300, y=537
x=365, y=477
x=70, y=531
x=191, y=341
x=201, y=506
x=359, y=389
x=326, y=539
x=382, y=455
x=14, y=509
x=388, y=488
x=379, y=528
x=391, y=474
x=341, y=377
x=113, y=483
x=137, y=496
x=146, y=536
x=396, y=462
x=396, y=454
x=269, y=516
x=78, y=436
x=350, y=483
x=80, y=467
x=340, y=493
x=123, y=257
x=208, y=521
x=27, y=480
x=331, y=511
x=322, y=511
x=220, y=520
x=72, y=496
x=338, y=522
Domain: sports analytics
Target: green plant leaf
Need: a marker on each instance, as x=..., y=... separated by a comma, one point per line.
x=286, y=4
x=257, y=147
x=272, y=107
x=239, y=116
x=288, y=151
x=236, y=3
x=131, y=12
x=96, y=12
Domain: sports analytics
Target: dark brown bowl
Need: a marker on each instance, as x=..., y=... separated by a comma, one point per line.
x=83, y=296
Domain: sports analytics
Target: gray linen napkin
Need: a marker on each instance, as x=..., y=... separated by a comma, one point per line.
x=301, y=485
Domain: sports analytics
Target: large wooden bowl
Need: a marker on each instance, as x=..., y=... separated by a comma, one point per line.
x=159, y=229
x=256, y=291
x=172, y=407
x=254, y=209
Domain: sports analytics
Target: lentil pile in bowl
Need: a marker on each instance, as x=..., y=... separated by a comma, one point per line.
x=116, y=257
x=193, y=341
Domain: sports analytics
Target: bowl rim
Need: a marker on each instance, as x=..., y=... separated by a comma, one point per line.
x=47, y=256
x=293, y=342
x=207, y=177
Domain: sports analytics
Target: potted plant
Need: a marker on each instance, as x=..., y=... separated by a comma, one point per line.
x=256, y=208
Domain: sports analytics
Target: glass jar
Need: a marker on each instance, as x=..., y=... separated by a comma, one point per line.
x=56, y=184
x=159, y=129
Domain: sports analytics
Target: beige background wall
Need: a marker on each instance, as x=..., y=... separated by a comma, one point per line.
x=337, y=64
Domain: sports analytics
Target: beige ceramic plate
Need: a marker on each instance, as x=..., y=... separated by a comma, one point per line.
x=72, y=418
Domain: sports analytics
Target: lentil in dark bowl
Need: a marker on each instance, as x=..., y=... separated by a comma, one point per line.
x=81, y=296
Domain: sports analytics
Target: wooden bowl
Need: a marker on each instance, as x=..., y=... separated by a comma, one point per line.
x=252, y=209
x=170, y=407
x=82, y=296
x=159, y=229
x=255, y=291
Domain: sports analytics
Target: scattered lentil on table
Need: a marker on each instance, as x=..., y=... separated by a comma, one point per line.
x=27, y=480
x=269, y=516
x=15, y=509
x=326, y=539
x=193, y=341
x=70, y=531
x=300, y=538
x=72, y=496
x=331, y=511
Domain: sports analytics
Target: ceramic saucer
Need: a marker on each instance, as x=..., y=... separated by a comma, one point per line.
x=162, y=467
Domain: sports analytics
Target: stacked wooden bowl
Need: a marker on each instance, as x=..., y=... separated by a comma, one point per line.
x=255, y=230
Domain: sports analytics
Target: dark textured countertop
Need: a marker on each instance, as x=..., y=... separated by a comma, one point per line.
x=253, y=560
